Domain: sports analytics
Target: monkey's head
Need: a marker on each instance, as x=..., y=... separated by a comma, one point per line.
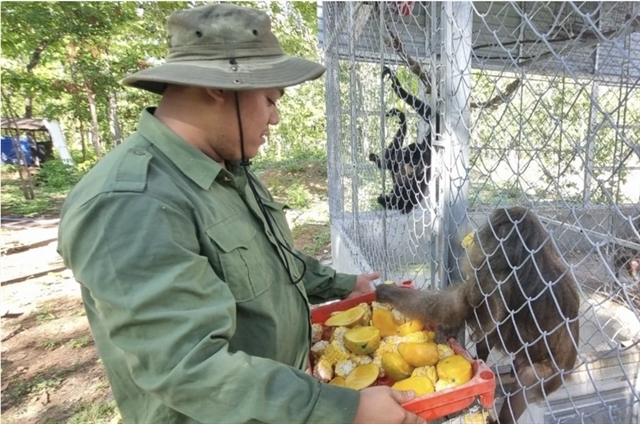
x=510, y=238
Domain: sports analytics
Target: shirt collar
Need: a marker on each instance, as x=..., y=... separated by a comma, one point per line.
x=200, y=168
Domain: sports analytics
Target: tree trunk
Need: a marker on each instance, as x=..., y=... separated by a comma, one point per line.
x=28, y=107
x=114, y=123
x=35, y=59
x=82, y=141
x=93, y=109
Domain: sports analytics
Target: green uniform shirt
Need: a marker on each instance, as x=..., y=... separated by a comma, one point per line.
x=193, y=312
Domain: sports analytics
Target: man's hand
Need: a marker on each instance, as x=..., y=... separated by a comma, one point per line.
x=381, y=404
x=364, y=284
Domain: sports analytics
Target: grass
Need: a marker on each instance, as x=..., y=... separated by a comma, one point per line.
x=93, y=412
x=46, y=203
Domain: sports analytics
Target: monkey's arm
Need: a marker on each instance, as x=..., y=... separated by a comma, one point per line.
x=418, y=105
x=446, y=308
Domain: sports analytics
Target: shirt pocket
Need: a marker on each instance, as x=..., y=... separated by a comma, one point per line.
x=276, y=211
x=243, y=264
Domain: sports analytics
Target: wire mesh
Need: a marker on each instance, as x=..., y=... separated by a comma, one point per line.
x=532, y=104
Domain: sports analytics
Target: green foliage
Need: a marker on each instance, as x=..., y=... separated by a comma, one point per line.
x=58, y=176
x=298, y=196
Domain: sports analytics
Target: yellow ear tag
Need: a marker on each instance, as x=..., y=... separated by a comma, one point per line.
x=467, y=241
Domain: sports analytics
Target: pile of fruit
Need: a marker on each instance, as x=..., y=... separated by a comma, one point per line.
x=375, y=344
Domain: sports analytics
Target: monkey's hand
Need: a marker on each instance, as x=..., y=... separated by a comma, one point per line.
x=386, y=72
x=373, y=158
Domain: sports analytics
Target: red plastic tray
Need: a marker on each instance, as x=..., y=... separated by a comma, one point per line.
x=439, y=404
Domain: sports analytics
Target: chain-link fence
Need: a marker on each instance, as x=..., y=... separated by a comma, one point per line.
x=439, y=113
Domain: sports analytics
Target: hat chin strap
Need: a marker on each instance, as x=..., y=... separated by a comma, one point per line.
x=245, y=163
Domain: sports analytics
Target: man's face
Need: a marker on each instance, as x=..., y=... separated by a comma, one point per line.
x=258, y=109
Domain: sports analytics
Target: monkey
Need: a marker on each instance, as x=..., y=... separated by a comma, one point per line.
x=424, y=111
x=392, y=155
x=517, y=296
x=629, y=259
x=406, y=169
x=626, y=258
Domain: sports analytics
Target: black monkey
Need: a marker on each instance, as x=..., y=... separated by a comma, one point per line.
x=406, y=167
x=421, y=154
x=392, y=155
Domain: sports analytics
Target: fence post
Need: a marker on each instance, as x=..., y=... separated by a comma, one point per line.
x=457, y=28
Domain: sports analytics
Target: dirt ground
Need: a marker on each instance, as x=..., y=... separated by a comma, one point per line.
x=50, y=368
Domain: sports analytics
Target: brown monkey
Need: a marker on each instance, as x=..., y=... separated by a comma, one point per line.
x=628, y=259
x=517, y=297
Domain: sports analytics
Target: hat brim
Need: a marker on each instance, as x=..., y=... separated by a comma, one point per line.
x=250, y=74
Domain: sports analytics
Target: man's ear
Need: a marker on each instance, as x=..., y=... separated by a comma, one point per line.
x=216, y=94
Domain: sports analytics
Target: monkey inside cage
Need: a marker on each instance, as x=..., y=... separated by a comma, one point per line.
x=516, y=124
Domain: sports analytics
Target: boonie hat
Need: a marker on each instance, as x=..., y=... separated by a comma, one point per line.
x=224, y=46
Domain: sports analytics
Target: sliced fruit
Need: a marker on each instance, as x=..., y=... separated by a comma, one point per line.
x=347, y=318
x=419, y=354
x=420, y=385
x=409, y=327
x=467, y=241
x=362, y=376
x=384, y=321
x=454, y=369
x=395, y=366
x=338, y=381
x=362, y=340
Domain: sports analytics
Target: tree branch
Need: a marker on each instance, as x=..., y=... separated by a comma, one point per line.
x=35, y=56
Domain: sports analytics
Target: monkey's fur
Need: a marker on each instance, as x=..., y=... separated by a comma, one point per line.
x=516, y=287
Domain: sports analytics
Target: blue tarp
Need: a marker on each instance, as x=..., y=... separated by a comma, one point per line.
x=8, y=153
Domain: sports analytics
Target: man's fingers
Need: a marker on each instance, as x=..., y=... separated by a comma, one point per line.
x=402, y=396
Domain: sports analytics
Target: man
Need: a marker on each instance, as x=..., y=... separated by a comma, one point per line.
x=198, y=303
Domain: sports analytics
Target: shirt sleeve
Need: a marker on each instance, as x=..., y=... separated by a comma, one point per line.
x=323, y=283
x=163, y=305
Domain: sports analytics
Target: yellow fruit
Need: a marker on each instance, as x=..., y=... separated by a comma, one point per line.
x=347, y=318
x=419, y=354
x=362, y=340
x=410, y=327
x=362, y=376
x=337, y=381
x=454, y=369
x=395, y=366
x=467, y=241
x=384, y=321
x=420, y=385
